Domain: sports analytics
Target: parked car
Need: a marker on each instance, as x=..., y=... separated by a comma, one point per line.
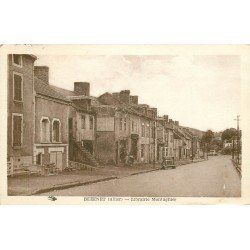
x=212, y=153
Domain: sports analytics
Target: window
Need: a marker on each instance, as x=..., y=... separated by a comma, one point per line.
x=56, y=131
x=39, y=159
x=142, y=130
x=45, y=129
x=17, y=125
x=83, y=121
x=91, y=122
x=133, y=126
x=125, y=124
x=152, y=132
x=148, y=131
x=120, y=124
x=17, y=60
x=17, y=87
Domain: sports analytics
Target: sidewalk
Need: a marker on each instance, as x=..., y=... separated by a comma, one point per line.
x=31, y=185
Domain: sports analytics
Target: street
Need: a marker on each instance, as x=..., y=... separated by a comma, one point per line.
x=216, y=177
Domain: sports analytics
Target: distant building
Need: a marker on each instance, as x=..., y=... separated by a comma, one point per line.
x=165, y=138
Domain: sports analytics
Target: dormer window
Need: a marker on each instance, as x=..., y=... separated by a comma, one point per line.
x=17, y=60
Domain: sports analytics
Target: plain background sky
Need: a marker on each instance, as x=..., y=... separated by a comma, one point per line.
x=202, y=92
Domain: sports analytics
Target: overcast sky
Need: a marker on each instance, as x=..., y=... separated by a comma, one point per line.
x=202, y=92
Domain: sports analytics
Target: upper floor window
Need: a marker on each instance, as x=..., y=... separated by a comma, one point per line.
x=56, y=130
x=17, y=127
x=125, y=124
x=133, y=126
x=83, y=122
x=45, y=129
x=91, y=122
x=142, y=130
x=120, y=125
x=17, y=60
x=17, y=87
x=147, y=131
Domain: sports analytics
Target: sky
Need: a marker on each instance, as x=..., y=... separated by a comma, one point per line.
x=201, y=92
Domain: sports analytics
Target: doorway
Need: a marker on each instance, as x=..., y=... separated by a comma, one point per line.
x=56, y=157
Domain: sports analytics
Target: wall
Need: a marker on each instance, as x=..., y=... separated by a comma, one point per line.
x=105, y=147
x=87, y=133
x=51, y=109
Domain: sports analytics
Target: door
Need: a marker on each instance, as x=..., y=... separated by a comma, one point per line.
x=56, y=157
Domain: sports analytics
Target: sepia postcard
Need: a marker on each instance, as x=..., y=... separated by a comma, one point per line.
x=125, y=124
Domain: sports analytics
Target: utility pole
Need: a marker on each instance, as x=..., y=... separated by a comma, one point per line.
x=238, y=137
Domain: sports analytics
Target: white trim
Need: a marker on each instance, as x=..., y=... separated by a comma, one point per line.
x=50, y=144
x=60, y=126
x=56, y=149
x=16, y=114
x=39, y=150
x=17, y=65
x=13, y=81
x=41, y=129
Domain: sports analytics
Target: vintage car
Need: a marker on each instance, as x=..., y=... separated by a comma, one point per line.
x=212, y=153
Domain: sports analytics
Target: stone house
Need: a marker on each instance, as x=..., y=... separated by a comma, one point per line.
x=124, y=128
x=81, y=123
x=51, y=122
x=20, y=108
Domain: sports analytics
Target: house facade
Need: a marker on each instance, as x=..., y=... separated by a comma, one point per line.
x=124, y=128
x=51, y=123
x=21, y=108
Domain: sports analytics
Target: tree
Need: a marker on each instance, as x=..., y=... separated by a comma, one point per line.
x=228, y=134
x=207, y=139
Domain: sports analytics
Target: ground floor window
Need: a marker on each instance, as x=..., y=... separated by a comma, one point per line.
x=39, y=159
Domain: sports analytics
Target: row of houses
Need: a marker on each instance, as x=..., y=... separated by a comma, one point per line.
x=48, y=124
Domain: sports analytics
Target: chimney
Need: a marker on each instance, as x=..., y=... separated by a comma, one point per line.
x=116, y=95
x=176, y=123
x=134, y=99
x=125, y=96
x=81, y=88
x=165, y=117
x=42, y=73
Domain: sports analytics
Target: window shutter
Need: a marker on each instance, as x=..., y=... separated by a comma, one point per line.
x=17, y=88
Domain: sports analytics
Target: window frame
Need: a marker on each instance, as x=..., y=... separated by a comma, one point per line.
x=17, y=65
x=12, y=139
x=83, y=125
x=13, y=75
x=52, y=130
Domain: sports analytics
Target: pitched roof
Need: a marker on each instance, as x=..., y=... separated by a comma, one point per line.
x=48, y=90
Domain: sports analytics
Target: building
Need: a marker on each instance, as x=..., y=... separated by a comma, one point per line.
x=51, y=122
x=81, y=123
x=21, y=108
x=165, y=138
x=124, y=127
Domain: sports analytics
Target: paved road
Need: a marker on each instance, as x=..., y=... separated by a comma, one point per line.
x=216, y=177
